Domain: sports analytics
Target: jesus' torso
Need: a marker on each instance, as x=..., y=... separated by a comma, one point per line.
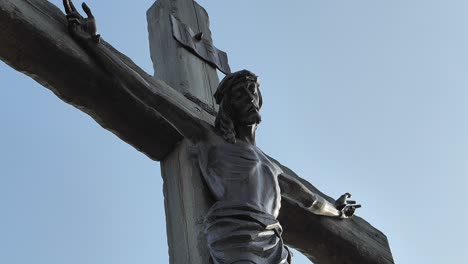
x=240, y=172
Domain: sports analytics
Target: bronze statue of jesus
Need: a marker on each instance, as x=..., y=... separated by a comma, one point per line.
x=241, y=227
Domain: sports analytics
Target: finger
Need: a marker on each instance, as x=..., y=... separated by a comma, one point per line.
x=350, y=212
x=352, y=206
x=67, y=7
x=72, y=6
x=87, y=10
x=344, y=197
x=351, y=202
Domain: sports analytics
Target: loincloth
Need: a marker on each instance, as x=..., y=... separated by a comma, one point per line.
x=242, y=232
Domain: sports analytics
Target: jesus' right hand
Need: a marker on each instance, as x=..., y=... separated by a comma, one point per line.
x=82, y=29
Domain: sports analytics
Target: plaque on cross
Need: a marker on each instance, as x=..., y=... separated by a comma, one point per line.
x=196, y=81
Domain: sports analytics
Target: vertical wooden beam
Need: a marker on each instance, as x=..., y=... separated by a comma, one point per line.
x=174, y=64
x=186, y=201
x=186, y=198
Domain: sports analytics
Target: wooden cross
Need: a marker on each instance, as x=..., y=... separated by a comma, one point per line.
x=187, y=81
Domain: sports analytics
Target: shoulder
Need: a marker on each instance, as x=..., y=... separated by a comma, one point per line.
x=210, y=140
x=273, y=162
x=211, y=136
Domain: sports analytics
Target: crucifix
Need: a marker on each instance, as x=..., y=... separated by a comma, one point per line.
x=185, y=62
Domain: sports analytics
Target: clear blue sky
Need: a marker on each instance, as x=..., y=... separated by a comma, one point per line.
x=365, y=96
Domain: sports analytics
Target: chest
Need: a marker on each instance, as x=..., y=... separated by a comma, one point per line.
x=240, y=160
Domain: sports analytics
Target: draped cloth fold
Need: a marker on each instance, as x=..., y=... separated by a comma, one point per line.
x=242, y=233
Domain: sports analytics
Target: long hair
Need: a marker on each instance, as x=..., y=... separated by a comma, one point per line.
x=224, y=122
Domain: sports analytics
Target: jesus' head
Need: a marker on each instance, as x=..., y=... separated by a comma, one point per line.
x=240, y=100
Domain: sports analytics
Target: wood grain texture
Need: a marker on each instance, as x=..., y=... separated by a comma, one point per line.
x=329, y=240
x=172, y=62
x=30, y=27
x=186, y=201
x=186, y=198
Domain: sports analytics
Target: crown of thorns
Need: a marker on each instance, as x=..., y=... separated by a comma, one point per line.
x=232, y=80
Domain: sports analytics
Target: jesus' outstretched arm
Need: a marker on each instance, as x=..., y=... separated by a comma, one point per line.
x=295, y=191
x=84, y=31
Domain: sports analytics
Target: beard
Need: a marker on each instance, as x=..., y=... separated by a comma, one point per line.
x=252, y=119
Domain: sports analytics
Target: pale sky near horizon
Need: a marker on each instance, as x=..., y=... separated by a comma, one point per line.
x=361, y=96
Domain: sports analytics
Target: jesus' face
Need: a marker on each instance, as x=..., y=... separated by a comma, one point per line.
x=245, y=103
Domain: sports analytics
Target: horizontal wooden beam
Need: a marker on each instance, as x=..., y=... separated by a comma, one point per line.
x=327, y=240
x=34, y=40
